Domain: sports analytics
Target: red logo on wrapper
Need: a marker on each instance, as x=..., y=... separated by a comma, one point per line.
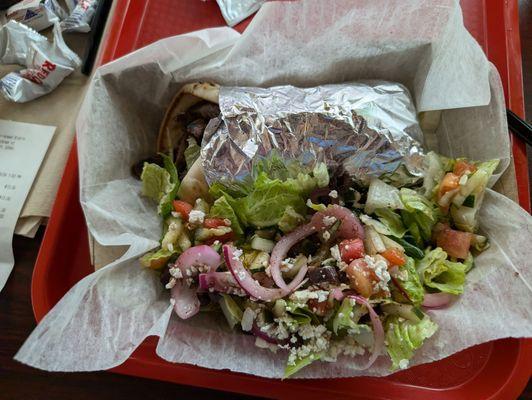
x=37, y=75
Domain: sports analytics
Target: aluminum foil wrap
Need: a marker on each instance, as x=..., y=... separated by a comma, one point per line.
x=235, y=11
x=363, y=129
x=47, y=64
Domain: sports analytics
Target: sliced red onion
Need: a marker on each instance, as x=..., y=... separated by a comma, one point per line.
x=437, y=300
x=281, y=250
x=221, y=282
x=337, y=294
x=256, y=331
x=201, y=255
x=250, y=285
x=186, y=302
x=350, y=228
x=185, y=297
x=378, y=330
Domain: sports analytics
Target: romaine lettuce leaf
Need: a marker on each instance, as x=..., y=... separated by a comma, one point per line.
x=419, y=216
x=265, y=205
x=301, y=313
x=300, y=363
x=192, y=152
x=382, y=195
x=403, y=337
x=222, y=209
x=290, y=220
x=160, y=184
x=261, y=200
x=409, y=281
x=435, y=168
x=392, y=221
x=439, y=273
x=347, y=316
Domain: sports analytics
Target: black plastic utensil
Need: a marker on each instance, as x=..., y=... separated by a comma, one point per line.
x=519, y=127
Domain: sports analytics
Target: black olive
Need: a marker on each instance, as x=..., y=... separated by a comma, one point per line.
x=325, y=274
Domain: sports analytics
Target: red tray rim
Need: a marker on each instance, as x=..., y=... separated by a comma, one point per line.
x=516, y=378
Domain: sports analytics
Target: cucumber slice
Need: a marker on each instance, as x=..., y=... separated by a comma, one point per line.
x=232, y=312
x=465, y=218
x=391, y=244
x=476, y=183
x=410, y=249
x=260, y=262
x=261, y=244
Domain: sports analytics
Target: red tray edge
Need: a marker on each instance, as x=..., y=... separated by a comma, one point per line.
x=521, y=372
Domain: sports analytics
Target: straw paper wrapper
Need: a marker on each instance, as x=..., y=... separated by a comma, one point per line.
x=423, y=45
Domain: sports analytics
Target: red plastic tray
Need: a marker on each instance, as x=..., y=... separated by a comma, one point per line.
x=495, y=370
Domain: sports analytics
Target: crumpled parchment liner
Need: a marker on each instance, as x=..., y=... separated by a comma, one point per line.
x=420, y=44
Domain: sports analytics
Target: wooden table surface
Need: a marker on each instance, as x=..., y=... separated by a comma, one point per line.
x=16, y=319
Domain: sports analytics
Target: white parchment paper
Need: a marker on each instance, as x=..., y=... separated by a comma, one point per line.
x=422, y=44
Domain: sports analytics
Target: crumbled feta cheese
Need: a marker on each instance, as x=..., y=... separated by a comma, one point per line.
x=403, y=364
x=175, y=214
x=335, y=252
x=328, y=220
x=170, y=247
x=303, y=296
x=333, y=194
x=263, y=344
x=236, y=254
x=216, y=243
x=196, y=217
x=175, y=272
x=171, y=283
x=309, y=203
x=247, y=319
x=326, y=235
x=380, y=267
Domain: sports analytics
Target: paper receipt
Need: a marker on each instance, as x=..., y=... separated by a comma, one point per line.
x=22, y=149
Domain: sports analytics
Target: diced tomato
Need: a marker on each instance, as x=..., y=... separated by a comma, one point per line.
x=351, y=249
x=319, y=308
x=454, y=243
x=449, y=182
x=227, y=237
x=461, y=167
x=215, y=222
x=394, y=256
x=183, y=208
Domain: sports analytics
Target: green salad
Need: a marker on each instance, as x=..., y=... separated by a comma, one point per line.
x=315, y=270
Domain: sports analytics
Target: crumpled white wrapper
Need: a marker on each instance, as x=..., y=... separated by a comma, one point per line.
x=422, y=44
